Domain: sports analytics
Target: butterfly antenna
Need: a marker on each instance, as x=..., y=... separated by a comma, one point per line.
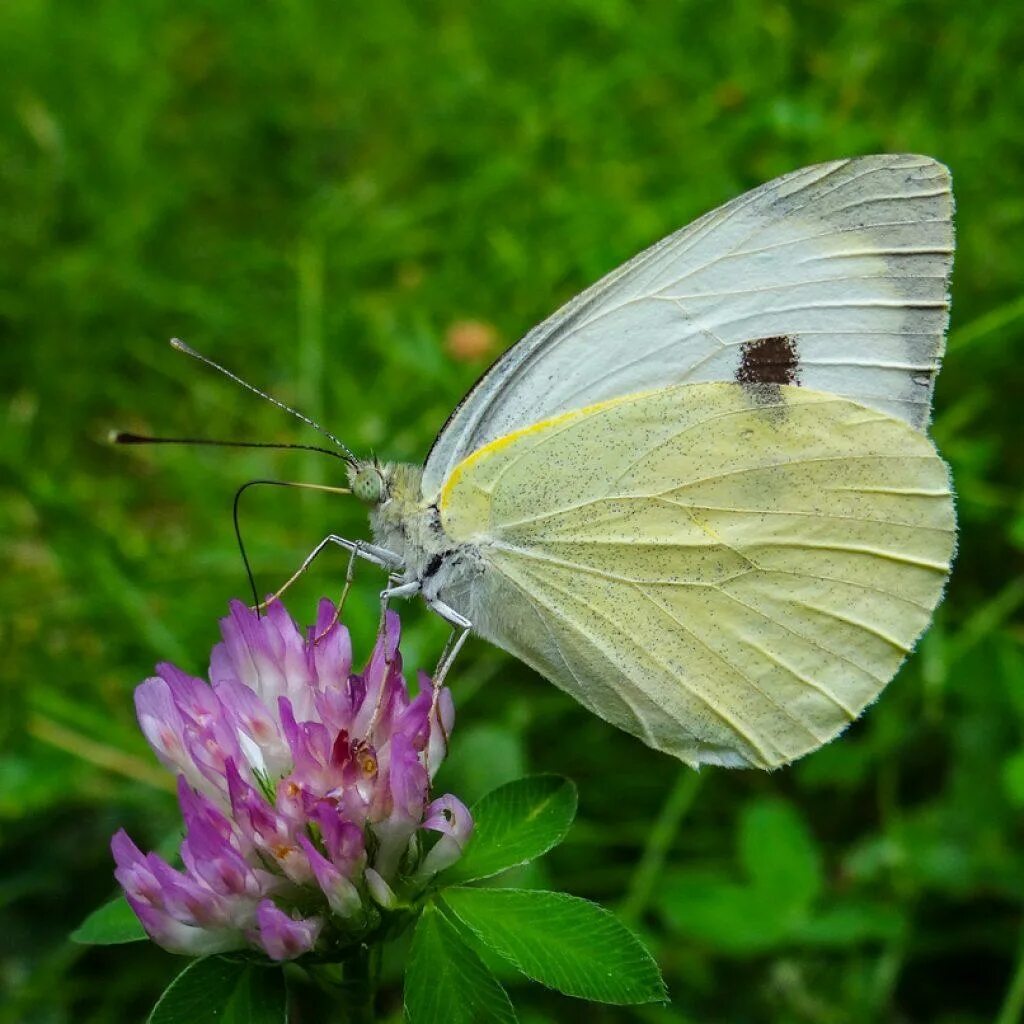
x=238, y=525
x=121, y=437
x=347, y=455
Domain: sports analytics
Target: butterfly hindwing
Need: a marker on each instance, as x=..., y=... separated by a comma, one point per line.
x=730, y=575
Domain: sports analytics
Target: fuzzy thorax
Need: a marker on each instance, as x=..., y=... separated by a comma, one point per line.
x=401, y=521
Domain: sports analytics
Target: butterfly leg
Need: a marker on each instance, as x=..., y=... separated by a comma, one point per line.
x=350, y=571
x=458, y=636
x=358, y=548
x=461, y=627
x=395, y=588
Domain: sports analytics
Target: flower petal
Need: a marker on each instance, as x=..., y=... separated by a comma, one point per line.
x=382, y=893
x=163, y=726
x=176, y=937
x=342, y=896
x=441, y=724
x=330, y=651
x=283, y=937
x=449, y=816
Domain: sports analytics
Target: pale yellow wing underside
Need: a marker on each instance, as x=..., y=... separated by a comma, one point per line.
x=730, y=575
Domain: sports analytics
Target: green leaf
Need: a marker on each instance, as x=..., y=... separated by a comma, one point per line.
x=113, y=923
x=783, y=865
x=569, y=944
x=721, y=914
x=516, y=823
x=851, y=924
x=446, y=982
x=218, y=991
x=780, y=855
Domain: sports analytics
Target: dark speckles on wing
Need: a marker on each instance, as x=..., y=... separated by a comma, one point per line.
x=767, y=363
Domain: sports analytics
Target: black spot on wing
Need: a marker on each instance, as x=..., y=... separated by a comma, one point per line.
x=768, y=361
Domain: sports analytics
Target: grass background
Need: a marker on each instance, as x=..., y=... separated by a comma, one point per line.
x=319, y=194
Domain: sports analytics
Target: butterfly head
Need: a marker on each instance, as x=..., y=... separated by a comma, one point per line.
x=369, y=481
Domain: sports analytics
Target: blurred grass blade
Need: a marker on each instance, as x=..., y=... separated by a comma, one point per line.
x=100, y=754
x=986, y=619
x=659, y=841
x=988, y=323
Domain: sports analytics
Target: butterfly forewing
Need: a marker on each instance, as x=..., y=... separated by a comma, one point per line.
x=834, y=277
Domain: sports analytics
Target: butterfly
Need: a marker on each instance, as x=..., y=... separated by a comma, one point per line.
x=700, y=498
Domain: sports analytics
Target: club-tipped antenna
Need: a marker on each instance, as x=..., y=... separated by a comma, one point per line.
x=347, y=455
x=123, y=437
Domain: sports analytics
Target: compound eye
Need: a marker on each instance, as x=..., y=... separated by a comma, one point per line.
x=367, y=485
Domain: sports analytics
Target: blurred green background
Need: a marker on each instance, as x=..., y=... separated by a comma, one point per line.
x=356, y=206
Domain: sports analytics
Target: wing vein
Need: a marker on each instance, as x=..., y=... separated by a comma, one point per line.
x=531, y=600
x=806, y=639
x=735, y=669
x=856, y=623
x=737, y=726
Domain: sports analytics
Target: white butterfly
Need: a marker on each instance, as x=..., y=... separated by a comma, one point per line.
x=699, y=497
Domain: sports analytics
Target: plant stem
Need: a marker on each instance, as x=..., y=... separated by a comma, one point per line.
x=659, y=839
x=343, y=992
x=360, y=986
